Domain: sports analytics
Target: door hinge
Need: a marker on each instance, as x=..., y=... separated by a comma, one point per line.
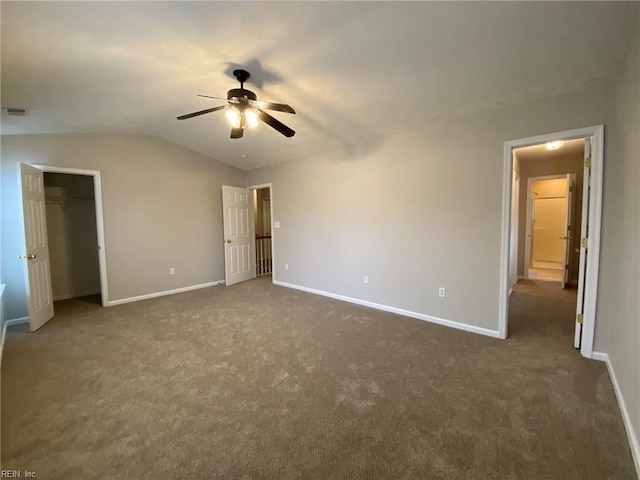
x=584, y=242
x=587, y=162
x=579, y=318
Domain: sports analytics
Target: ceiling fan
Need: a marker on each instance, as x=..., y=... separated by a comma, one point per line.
x=243, y=110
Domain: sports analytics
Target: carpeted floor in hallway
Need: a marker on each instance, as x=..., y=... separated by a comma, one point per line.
x=257, y=381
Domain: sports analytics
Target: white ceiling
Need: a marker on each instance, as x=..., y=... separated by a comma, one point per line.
x=537, y=152
x=354, y=71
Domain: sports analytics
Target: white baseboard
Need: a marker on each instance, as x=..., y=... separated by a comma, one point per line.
x=601, y=357
x=399, y=311
x=16, y=321
x=3, y=326
x=162, y=294
x=67, y=296
x=628, y=426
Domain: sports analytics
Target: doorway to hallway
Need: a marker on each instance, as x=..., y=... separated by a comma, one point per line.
x=538, y=308
x=588, y=242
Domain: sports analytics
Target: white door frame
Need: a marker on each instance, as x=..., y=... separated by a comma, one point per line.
x=528, y=234
x=97, y=191
x=594, y=221
x=273, y=237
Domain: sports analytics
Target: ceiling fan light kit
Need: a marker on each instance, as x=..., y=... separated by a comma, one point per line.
x=243, y=110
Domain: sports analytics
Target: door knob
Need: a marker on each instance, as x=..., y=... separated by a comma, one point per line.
x=29, y=256
x=228, y=241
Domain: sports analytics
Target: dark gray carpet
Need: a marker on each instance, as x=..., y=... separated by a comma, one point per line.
x=256, y=381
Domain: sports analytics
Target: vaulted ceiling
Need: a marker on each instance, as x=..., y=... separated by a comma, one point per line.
x=354, y=71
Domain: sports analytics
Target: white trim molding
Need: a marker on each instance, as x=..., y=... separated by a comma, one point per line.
x=595, y=214
x=16, y=321
x=398, y=311
x=632, y=435
x=260, y=186
x=599, y=356
x=138, y=298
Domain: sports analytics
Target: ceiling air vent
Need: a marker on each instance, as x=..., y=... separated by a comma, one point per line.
x=16, y=112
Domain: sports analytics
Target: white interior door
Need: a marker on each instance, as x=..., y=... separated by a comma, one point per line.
x=584, y=234
x=548, y=232
x=36, y=256
x=568, y=235
x=239, y=235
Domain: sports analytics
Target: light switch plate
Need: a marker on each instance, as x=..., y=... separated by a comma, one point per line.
x=276, y=224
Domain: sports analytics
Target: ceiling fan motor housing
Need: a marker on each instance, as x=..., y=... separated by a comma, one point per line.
x=241, y=94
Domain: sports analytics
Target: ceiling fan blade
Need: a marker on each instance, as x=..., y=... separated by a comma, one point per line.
x=278, y=107
x=209, y=96
x=277, y=124
x=236, y=132
x=201, y=112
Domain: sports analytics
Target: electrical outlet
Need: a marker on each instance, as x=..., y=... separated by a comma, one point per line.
x=442, y=292
x=366, y=279
x=286, y=266
x=172, y=271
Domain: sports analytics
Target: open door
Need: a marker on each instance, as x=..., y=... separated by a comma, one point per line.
x=584, y=235
x=239, y=235
x=36, y=256
x=569, y=228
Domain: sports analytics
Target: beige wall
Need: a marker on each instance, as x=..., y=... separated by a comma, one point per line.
x=618, y=302
x=414, y=211
x=556, y=165
x=162, y=208
x=71, y=231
